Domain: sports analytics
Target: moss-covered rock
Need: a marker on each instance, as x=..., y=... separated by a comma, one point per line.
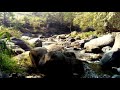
x=23, y=59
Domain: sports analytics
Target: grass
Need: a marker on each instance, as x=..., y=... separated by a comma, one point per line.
x=7, y=64
x=12, y=31
x=85, y=35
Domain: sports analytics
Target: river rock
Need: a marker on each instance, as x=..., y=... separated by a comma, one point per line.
x=15, y=48
x=105, y=40
x=116, y=45
x=58, y=65
x=62, y=36
x=110, y=59
x=35, y=42
x=115, y=76
x=23, y=59
x=75, y=45
x=106, y=49
x=54, y=47
x=20, y=43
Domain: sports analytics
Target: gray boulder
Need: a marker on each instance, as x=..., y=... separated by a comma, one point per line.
x=15, y=48
x=20, y=43
x=110, y=59
x=37, y=55
x=105, y=40
x=35, y=42
x=58, y=65
x=54, y=47
x=116, y=45
x=115, y=76
x=106, y=49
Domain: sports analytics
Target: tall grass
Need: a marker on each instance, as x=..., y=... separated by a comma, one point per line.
x=6, y=63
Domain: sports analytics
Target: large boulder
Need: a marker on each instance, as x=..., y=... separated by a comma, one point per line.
x=23, y=59
x=115, y=76
x=116, y=45
x=82, y=42
x=88, y=56
x=106, y=49
x=54, y=47
x=110, y=59
x=105, y=40
x=70, y=54
x=35, y=42
x=14, y=48
x=57, y=65
x=81, y=55
x=36, y=54
x=20, y=43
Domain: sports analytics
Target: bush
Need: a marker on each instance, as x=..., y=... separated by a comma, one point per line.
x=12, y=31
x=6, y=63
x=94, y=19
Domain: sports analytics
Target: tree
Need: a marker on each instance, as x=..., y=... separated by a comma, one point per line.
x=6, y=18
x=68, y=17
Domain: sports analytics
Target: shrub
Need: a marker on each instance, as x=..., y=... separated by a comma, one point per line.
x=10, y=30
x=6, y=63
x=94, y=19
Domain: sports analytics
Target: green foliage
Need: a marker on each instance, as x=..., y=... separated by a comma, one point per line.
x=10, y=31
x=114, y=19
x=84, y=35
x=37, y=20
x=95, y=19
x=6, y=63
x=9, y=65
x=74, y=34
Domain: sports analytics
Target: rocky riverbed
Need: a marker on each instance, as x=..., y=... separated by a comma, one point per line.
x=89, y=51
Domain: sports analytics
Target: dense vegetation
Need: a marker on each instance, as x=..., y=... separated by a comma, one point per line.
x=6, y=63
